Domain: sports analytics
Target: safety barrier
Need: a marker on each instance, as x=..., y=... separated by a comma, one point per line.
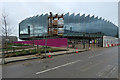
x=111, y=45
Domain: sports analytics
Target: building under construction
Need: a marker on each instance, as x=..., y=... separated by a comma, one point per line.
x=79, y=29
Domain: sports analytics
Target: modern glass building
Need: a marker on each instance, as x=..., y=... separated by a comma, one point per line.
x=37, y=26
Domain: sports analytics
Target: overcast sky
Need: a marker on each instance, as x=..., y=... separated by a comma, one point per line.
x=17, y=11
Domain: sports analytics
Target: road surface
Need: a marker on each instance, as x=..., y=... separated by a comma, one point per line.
x=101, y=63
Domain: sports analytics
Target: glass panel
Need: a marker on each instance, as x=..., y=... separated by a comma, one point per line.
x=71, y=22
x=77, y=23
x=87, y=24
x=66, y=21
x=82, y=23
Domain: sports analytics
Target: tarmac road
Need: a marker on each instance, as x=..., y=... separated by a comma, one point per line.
x=101, y=63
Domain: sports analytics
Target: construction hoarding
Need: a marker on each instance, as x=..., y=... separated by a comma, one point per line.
x=109, y=41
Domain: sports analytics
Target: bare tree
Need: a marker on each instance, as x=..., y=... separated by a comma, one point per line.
x=6, y=29
x=4, y=35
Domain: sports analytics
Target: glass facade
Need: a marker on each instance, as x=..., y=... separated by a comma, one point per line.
x=38, y=25
x=33, y=26
x=87, y=24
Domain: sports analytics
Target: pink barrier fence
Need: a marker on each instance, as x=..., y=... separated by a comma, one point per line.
x=59, y=42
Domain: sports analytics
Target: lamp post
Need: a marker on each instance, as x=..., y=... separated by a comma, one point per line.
x=33, y=35
x=83, y=40
x=45, y=37
x=89, y=39
x=45, y=45
x=3, y=52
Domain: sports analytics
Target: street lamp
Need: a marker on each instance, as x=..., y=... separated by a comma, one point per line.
x=83, y=40
x=3, y=52
x=89, y=40
x=45, y=45
x=45, y=37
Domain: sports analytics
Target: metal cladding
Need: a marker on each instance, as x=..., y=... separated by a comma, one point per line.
x=77, y=23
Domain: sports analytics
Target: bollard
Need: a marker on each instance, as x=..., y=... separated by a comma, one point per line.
x=89, y=48
x=76, y=50
x=49, y=54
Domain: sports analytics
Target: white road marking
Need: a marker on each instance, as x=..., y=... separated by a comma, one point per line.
x=94, y=56
x=108, y=71
x=98, y=54
x=90, y=57
x=58, y=67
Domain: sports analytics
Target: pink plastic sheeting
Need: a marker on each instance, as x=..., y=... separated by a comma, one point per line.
x=59, y=42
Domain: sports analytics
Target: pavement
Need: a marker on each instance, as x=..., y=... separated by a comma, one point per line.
x=29, y=57
x=100, y=63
